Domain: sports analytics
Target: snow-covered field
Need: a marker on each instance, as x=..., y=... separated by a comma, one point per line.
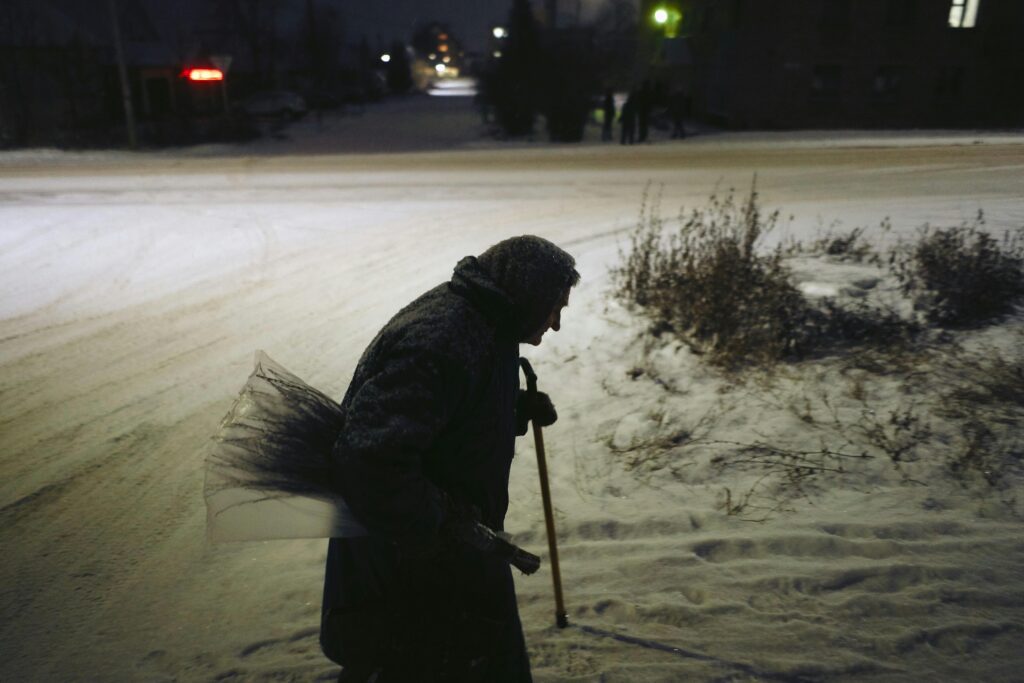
x=136, y=287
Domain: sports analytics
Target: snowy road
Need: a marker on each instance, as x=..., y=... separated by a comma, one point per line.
x=135, y=290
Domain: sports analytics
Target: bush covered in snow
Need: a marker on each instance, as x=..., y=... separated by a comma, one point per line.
x=930, y=405
x=707, y=282
x=961, y=276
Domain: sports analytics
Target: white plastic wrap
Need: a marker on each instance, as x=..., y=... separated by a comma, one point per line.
x=268, y=471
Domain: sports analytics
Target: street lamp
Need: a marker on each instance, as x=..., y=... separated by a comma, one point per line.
x=668, y=19
x=499, y=32
x=385, y=58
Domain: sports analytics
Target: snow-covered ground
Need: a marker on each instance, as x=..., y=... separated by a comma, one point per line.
x=135, y=288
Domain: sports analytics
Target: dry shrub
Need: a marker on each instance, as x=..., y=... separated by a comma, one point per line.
x=984, y=392
x=961, y=276
x=702, y=279
x=851, y=246
x=707, y=283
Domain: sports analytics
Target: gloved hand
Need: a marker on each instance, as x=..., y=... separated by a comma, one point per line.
x=535, y=406
x=457, y=521
x=457, y=513
x=462, y=524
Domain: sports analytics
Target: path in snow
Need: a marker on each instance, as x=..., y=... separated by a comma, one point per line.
x=135, y=292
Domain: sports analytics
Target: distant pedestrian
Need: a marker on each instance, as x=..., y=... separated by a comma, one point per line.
x=609, y=116
x=627, y=118
x=678, y=110
x=643, y=110
x=483, y=105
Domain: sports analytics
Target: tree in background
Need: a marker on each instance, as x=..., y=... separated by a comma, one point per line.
x=557, y=73
x=321, y=34
x=256, y=21
x=615, y=31
x=513, y=83
x=399, y=75
x=51, y=81
x=571, y=86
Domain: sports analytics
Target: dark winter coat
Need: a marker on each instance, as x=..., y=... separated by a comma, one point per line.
x=429, y=414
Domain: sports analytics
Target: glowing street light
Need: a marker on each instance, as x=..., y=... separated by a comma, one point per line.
x=500, y=32
x=385, y=58
x=668, y=20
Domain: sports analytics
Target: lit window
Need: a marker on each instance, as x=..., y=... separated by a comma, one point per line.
x=963, y=13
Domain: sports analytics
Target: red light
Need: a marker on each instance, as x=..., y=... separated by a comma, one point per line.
x=204, y=74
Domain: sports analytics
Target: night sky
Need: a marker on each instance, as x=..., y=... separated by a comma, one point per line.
x=470, y=20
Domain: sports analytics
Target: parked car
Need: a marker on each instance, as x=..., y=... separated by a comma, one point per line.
x=277, y=104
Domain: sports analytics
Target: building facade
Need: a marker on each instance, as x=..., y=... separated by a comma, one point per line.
x=841, y=63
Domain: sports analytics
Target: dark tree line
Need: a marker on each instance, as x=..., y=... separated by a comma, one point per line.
x=557, y=74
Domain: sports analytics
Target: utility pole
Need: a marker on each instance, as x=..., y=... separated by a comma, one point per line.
x=126, y=89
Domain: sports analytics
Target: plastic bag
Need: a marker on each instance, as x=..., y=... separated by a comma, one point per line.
x=268, y=471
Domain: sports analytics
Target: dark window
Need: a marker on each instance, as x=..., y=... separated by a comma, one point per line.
x=738, y=12
x=886, y=83
x=901, y=14
x=826, y=81
x=708, y=18
x=835, y=14
x=949, y=83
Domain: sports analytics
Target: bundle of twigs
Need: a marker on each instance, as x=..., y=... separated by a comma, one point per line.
x=277, y=440
x=277, y=437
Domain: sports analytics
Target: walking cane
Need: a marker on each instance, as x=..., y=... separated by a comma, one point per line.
x=549, y=519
